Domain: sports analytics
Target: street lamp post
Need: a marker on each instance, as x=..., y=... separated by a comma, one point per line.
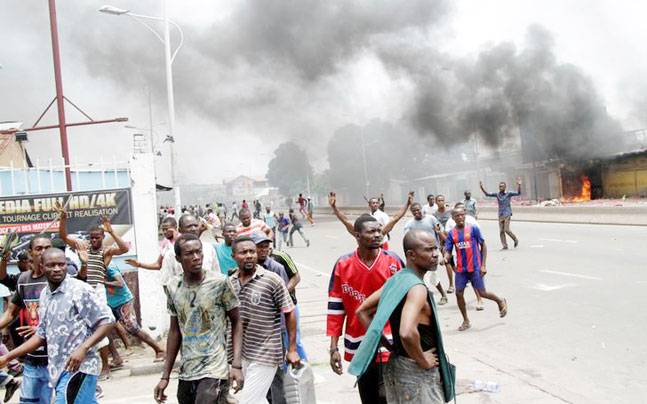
x=169, y=57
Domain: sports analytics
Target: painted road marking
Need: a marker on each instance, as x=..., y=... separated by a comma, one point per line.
x=593, y=278
x=548, y=288
x=330, y=236
x=537, y=246
x=557, y=240
x=311, y=269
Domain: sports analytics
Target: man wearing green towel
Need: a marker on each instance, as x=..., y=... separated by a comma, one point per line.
x=413, y=373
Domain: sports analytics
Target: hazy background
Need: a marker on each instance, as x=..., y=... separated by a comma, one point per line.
x=254, y=74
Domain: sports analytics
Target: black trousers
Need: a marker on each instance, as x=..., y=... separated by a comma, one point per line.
x=371, y=385
x=202, y=391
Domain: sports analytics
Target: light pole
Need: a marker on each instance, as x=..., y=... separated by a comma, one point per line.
x=168, y=58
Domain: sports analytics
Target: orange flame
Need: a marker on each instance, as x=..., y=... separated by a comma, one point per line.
x=585, y=191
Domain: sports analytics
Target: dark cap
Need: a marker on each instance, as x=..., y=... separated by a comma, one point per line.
x=258, y=238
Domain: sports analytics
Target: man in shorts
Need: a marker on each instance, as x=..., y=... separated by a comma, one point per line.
x=471, y=255
x=121, y=302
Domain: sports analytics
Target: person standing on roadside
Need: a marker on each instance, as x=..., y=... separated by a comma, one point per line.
x=503, y=199
x=200, y=302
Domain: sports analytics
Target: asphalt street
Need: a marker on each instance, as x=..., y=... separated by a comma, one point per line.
x=574, y=332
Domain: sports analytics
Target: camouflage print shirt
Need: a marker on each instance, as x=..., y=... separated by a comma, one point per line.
x=201, y=312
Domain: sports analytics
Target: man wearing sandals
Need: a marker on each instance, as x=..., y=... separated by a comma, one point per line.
x=471, y=255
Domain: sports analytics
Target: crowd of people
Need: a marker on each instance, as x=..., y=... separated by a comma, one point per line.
x=233, y=308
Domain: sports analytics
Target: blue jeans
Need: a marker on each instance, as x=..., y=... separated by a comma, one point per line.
x=35, y=385
x=76, y=388
x=300, y=349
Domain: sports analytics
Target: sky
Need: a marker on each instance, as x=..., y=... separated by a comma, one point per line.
x=253, y=74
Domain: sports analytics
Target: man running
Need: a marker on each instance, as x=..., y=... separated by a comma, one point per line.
x=503, y=199
x=417, y=344
x=121, y=302
x=385, y=221
x=68, y=304
x=470, y=205
x=200, y=302
x=223, y=250
x=296, y=227
x=249, y=225
x=264, y=299
x=471, y=255
x=431, y=225
x=356, y=276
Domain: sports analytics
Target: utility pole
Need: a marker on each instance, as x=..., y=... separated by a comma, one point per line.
x=60, y=101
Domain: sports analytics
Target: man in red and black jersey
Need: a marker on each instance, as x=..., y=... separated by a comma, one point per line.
x=356, y=276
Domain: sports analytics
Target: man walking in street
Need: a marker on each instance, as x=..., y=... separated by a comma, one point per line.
x=223, y=250
x=471, y=257
x=283, y=228
x=356, y=276
x=264, y=300
x=249, y=225
x=431, y=225
x=405, y=302
x=25, y=306
x=430, y=207
x=200, y=302
x=72, y=321
x=470, y=205
x=270, y=220
x=503, y=199
x=171, y=267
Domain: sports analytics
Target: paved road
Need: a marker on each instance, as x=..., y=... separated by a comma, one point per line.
x=574, y=334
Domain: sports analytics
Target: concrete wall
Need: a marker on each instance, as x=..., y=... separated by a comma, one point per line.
x=626, y=177
x=151, y=295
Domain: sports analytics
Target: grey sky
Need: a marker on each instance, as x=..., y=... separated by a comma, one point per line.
x=253, y=74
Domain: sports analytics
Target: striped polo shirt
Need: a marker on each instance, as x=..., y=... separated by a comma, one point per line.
x=263, y=299
x=96, y=268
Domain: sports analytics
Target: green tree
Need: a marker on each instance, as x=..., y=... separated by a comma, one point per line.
x=289, y=169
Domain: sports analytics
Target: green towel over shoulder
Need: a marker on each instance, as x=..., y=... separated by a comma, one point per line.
x=394, y=290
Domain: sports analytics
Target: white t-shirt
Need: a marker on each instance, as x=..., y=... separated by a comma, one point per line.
x=381, y=217
x=171, y=267
x=449, y=226
x=429, y=210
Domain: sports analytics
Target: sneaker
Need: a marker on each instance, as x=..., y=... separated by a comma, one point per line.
x=307, y=243
x=10, y=389
x=443, y=300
